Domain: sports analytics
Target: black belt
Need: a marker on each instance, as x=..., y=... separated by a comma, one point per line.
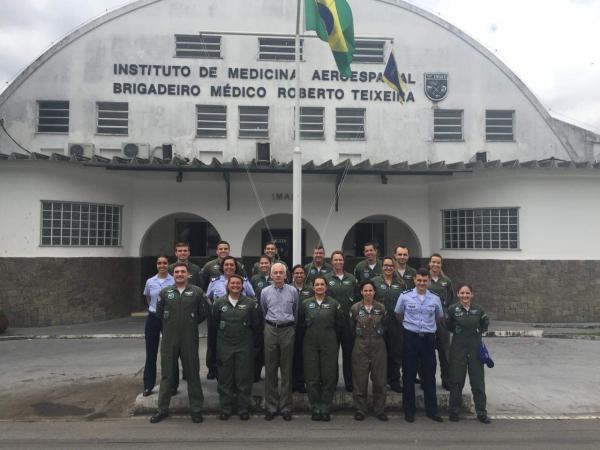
x=419, y=334
x=280, y=325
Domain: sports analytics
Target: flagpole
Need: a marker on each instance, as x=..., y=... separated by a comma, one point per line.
x=297, y=156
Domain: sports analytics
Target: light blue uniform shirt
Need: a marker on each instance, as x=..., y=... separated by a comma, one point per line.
x=218, y=288
x=153, y=287
x=419, y=315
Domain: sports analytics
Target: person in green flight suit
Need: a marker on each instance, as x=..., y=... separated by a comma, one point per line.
x=318, y=266
x=342, y=286
x=259, y=282
x=212, y=269
x=321, y=316
x=441, y=285
x=270, y=249
x=388, y=288
x=403, y=270
x=238, y=319
x=305, y=291
x=370, y=266
x=181, y=308
x=182, y=253
x=467, y=321
x=369, y=359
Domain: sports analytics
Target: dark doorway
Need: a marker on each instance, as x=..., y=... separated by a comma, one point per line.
x=201, y=236
x=283, y=241
x=368, y=232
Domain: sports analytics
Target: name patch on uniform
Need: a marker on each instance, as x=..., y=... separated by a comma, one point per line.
x=377, y=312
x=188, y=293
x=326, y=306
x=346, y=282
x=242, y=306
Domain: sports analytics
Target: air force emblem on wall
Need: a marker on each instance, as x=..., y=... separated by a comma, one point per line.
x=436, y=86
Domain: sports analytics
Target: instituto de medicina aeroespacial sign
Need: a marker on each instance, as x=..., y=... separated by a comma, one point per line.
x=249, y=82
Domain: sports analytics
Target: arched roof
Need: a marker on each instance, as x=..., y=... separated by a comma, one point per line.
x=139, y=4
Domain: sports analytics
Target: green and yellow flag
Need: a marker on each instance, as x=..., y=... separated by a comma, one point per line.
x=332, y=20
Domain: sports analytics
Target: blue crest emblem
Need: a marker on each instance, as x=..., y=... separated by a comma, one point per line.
x=436, y=86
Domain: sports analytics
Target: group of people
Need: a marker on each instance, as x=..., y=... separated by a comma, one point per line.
x=386, y=317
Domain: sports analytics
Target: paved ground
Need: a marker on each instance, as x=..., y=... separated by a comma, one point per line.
x=99, y=377
x=342, y=432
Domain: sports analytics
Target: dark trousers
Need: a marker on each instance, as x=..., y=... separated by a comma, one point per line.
x=152, y=336
x=347, y=343
x=419, y=347
x=298, y=369
x=393, y=343
x=211, y=345
x=259, y=353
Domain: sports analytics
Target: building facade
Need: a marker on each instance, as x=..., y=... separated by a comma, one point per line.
x=172, y=120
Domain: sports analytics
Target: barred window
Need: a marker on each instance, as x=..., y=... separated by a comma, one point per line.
x=312, y=122
x=350, y=123
x=254, y=121
x=481, y=228
x=499, y=125
x=447, y=124
x=278, y=49
x=53, y=116
x=113, y=118
x=368, y=51
x=211, y=121
x=197, y=46
x=72, y=224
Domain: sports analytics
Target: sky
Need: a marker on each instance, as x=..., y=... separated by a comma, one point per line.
x=553, y=46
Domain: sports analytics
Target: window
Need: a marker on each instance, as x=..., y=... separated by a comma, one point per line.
x=113, y=118
x=254, y=121
x=481, y=228
x=368, y=51
x=311, y=123
x=70, y=224
x=350, y=123
x=278, y=49
x=197, y=46
x=211, y=121
x=53, y=116
x=499, y=125
x=447, y=124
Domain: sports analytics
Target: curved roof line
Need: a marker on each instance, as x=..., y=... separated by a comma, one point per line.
x=495, y=61
x=90, y=26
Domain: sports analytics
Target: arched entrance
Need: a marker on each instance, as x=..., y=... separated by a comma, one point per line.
x=278, y=227
x=160, y=238
x=386, y=231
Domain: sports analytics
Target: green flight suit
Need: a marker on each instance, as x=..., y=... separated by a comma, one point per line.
x=362, y=271
x=256, y=270
x=312, y=271
x=408, y=277
x=236, y=327
x=369, y=356
x=467, y=327
x=298, y=366
x=345, y=291
x=320, y=323
x=180, y=315
x=444, y=289
x=212, y=270
x=388, y=295
x=259, y=282
x=194, y=273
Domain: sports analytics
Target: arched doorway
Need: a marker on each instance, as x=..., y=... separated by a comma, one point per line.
x=386, y=231
x=161, y=236
x=278, y=227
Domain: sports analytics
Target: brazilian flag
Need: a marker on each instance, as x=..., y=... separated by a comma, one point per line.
x=332, y=20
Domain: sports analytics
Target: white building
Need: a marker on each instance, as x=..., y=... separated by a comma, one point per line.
x=201, y=93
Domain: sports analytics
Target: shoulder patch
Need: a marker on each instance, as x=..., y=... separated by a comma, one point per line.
x=407, y=291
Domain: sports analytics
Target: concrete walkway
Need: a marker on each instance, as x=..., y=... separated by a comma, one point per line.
x=533, y=376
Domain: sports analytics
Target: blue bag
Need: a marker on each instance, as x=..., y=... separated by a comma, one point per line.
x=484, y=356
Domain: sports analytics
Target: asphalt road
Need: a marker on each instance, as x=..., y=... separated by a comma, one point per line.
x=342, y=432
